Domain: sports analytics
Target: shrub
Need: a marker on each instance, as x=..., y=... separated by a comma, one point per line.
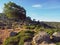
x=49, y=31
x=58, y=43
x=20, y=38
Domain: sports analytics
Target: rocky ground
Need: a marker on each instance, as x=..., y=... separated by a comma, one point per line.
x=41, y=38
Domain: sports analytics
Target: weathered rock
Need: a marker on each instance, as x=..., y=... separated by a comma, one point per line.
x=52, y=44
x=45, y=43
x=56, y=36
x=0, y=41
x=42, y=36
x=13, y=33
x=27, y=43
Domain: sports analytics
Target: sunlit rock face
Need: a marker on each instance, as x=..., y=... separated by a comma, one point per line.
x=45, y=43
x=40, y=37
x=27, y=43
x=56, y=36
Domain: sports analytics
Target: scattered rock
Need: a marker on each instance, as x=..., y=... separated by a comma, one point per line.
x=13, y=33
x=45, y=43
x=56, y=36
x=52, y=44
x=27, y=43
x=42, y=36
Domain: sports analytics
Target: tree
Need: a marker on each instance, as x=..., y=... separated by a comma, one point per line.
x=14, y=11
x=28, y=19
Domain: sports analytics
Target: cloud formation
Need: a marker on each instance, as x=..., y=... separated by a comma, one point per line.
x=37, y=5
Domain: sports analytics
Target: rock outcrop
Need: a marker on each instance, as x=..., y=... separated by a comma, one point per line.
x=27, y=43
x=56, y=36
x=45, y=43
x=39, y=38
x=13, y=33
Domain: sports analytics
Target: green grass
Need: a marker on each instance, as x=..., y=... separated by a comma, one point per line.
x=20, y=38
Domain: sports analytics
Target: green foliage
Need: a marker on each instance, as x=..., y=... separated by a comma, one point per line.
x=11, y=41
x=49, y=31
x=12, y=10
x=58, y=43
x=21, y=42
x=30, y=27
x=20, y=38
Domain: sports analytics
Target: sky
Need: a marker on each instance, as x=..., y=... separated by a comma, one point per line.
x=42, y=10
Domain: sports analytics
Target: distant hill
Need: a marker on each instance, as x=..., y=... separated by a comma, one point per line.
x=54, y=24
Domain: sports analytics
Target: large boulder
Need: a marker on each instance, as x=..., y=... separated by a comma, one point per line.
x=56, y=36
x=13, y=33
x=40, y=37
x=44, y=43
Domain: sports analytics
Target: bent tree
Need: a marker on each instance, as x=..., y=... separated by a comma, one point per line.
x=14, y=11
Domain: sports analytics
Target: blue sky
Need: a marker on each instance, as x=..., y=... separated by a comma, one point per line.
x=43, y=10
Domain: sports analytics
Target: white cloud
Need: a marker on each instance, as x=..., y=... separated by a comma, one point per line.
x=37, y=5
x=1, y=10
